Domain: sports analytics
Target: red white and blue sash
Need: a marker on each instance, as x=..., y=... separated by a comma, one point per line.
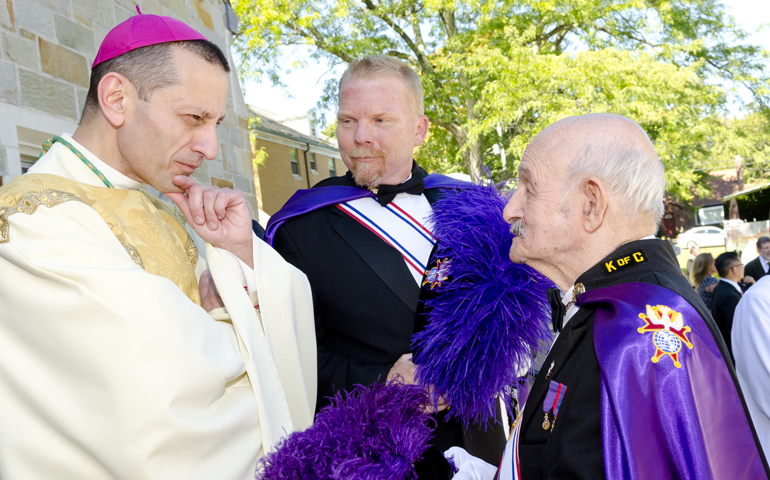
x=403, y=224
x=510, y=468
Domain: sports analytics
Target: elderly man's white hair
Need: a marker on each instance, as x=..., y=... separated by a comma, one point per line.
x=619, y=152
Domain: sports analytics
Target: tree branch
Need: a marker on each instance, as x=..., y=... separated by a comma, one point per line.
x=321, y=43
x=422, y=58
x=453, y=128
x=448, y=19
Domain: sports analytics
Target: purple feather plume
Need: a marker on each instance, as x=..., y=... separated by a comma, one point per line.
x=375, y=432
x=491, y=314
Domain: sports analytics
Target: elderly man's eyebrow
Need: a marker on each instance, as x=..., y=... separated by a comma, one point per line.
x=524, y=173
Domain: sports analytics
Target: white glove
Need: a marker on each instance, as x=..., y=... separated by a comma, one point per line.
x=470, y=467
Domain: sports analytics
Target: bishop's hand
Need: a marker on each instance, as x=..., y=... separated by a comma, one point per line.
x=219, y=215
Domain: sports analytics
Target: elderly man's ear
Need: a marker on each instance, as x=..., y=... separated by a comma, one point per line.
x=594, y=204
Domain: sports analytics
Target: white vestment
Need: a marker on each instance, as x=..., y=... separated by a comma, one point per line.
x=107, y=371
x=751, y=347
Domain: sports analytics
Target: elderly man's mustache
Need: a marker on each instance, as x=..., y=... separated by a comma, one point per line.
x=518, y=228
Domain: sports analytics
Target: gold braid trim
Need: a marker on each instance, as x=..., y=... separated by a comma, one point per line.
x=29, y=202
x=192, y=251
x=133, y=253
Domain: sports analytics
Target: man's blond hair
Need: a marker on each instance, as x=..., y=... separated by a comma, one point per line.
x=382, y=66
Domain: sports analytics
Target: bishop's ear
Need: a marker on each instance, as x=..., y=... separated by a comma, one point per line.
x=112, y=96
x=594, y=204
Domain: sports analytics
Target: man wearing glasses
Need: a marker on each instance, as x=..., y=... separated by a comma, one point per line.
x=728, y=292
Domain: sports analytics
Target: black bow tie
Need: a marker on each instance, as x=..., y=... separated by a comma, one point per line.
x=557, y=308
x=386, y=193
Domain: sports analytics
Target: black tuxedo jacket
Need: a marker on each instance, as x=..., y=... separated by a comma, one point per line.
x=364, y=296
x=573, y=449
x=365, y=301
x=724, y=299
x=754, y=269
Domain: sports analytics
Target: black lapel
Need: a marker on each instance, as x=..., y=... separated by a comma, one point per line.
x=568, y=340
x=383, y=259
x=432, y=194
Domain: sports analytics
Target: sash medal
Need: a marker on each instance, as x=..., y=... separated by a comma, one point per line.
x=552, y=402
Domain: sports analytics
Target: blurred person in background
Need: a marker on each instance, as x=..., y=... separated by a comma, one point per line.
x=694, y=252
x=758, y=267
x=702, y=277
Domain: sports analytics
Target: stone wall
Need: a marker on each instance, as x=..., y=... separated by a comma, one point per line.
x=46, y=51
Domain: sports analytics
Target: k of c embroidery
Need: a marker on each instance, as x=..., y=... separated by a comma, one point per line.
x=670, y=332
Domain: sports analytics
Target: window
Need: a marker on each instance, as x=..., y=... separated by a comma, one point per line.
x=332, y=169
x=294, y=162
x=312, y=162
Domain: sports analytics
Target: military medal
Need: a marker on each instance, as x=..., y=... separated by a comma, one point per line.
x=552, y=403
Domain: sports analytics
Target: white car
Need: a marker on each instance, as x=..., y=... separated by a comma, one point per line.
x=702, y=237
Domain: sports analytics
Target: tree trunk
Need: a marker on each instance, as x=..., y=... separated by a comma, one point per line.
x=472, y=156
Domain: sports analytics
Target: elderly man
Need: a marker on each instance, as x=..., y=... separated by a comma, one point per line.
x=364, y=239
x=758, y=267
x=637, y=384
x=116, y=362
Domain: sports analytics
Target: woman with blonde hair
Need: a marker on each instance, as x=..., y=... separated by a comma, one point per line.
x=702, y=277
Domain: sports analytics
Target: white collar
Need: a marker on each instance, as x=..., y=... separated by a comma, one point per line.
x=763, y=262
x=737, y=287
x=567, y=296
x=117, y=179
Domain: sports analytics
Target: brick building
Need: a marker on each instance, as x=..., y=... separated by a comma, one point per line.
x=295, y=159
x=46, y=51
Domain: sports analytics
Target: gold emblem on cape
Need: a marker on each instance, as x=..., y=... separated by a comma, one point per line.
x=670, y=332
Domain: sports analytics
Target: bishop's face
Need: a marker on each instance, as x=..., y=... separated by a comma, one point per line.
x=378, y=129
x=173, y=131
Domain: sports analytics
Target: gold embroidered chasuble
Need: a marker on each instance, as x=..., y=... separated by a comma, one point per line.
x=108, y=372
x=148, y=228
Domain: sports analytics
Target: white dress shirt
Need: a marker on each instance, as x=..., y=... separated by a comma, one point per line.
x=735, y=285
x=751, y=347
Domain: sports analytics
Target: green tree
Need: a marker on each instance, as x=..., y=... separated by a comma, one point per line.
x=496, y=73
x=749, y=138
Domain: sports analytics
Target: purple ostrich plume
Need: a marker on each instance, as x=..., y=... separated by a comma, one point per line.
x=491, y=314
x=375, y=432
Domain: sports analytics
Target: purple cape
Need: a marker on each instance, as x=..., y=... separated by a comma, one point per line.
x=670, y=407
x=306, y=201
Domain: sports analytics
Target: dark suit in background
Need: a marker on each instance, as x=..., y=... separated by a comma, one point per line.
x=754, y=269
x=724, y=300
